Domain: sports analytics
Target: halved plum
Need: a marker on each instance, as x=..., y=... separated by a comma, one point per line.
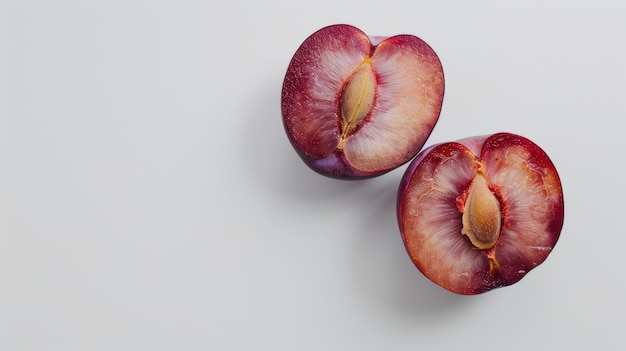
x=355, y=106
x=480, y=213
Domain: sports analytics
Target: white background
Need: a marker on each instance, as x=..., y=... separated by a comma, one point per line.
x=150, y=200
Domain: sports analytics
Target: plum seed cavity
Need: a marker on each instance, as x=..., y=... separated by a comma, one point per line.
x=482, y=219
x=357, y=97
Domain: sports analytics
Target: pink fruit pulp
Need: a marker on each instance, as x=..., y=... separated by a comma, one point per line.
x=526, y=184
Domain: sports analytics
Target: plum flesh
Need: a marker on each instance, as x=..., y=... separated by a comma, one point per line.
x=480, y=213
x=355, y=106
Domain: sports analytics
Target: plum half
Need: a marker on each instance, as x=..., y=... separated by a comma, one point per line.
x=480, y=213
x=356, y=106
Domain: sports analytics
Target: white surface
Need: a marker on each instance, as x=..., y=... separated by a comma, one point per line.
x=150, y=200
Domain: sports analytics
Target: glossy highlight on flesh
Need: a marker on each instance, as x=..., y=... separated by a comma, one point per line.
x=520, y=182
x=355, y=106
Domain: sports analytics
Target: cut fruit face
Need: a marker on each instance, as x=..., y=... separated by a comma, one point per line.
x=480, y=213
x=353, y=108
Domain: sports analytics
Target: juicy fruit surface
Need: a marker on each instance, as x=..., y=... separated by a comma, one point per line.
x=521, y=177
x=351, y=106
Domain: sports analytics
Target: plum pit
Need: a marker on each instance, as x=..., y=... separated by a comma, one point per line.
x=357, y=98
x=481, y=214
